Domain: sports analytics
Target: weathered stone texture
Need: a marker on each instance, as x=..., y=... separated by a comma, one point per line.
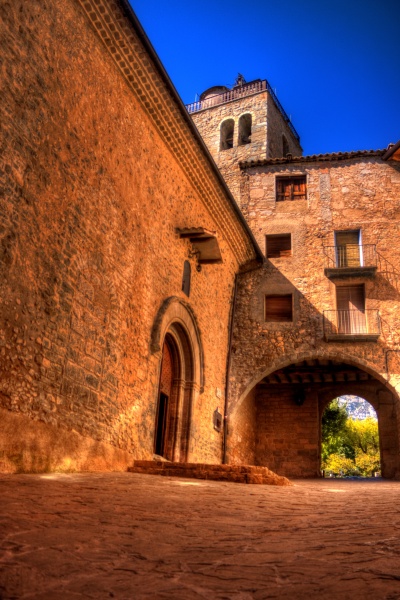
x=242, y=432
x=91, y=197
x=287, y=435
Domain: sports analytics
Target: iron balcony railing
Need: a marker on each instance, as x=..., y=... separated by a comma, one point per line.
x=350, y=256
x=352, y=323
x=241, y=91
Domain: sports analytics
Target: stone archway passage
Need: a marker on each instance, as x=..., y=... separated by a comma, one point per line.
x=285, y=410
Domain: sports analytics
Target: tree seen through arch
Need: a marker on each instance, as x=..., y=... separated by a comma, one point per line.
x=350, y=438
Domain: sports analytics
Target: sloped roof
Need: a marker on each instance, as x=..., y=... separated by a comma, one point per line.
x=312, y=158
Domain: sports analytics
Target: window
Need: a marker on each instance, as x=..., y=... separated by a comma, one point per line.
x=227, y=130
x=291, y=188
x=348, y=248
x=285, y=146
x=279, y=245
x=279, y=308
x=350, y=304
x=244, y=130
x=186, y=278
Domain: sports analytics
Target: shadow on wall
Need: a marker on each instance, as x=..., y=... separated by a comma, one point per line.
x=281, y=369
x=28, y=446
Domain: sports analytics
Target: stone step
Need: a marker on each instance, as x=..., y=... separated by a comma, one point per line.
x=235, y=473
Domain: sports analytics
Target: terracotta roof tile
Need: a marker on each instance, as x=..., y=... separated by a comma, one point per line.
x=311, y=158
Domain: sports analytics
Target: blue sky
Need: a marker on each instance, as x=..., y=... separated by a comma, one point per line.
x=335, y=64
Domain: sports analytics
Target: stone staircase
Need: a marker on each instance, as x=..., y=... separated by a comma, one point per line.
x=234, y=473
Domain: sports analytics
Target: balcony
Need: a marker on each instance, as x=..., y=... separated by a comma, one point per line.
x=352, y=325
x=352, y=260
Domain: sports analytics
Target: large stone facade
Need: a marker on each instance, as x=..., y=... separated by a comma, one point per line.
x=320, y=350
x=101, y=171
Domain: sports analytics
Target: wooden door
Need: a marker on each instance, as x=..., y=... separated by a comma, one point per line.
x=350, y=304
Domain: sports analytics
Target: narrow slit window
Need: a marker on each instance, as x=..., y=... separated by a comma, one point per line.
x=186, y=278
x=245, y=123
x=227, y=131
x=291, y=188
x=279, y=245
x=279, y=309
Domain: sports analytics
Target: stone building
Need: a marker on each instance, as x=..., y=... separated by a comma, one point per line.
x=120, y=243
x=320, y=318
x=136, y=305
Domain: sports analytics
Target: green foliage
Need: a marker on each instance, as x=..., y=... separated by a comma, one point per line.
x=339, y=464
x=349, y=447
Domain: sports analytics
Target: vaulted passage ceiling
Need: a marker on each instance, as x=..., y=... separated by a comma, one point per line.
x=317, y=371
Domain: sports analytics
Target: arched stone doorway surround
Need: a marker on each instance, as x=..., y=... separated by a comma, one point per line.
x=176, y=335
x=267, y=424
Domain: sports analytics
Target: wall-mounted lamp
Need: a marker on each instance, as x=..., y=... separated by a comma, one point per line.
x=300, y=397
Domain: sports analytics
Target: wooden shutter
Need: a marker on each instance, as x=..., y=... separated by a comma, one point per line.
x=291, y=188
x=279, y=308
x=283, y=189
x=279, y=245
x=299, y=188
x=347, y=248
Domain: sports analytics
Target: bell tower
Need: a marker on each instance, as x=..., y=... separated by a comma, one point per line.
x=246, y=122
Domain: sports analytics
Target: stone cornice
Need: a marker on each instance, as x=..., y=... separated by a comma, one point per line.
x=125, y=41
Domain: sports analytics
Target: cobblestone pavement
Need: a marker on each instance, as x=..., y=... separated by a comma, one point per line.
x=131, y=536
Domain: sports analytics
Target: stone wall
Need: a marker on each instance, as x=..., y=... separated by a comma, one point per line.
x=242, y=432
x=92, y=195
x=287, y=434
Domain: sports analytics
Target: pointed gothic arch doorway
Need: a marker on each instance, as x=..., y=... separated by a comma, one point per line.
x=176, y=340
x=175, y=397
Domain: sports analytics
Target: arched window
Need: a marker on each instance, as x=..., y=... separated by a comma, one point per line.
x=186, y=278
x=245, y=123
x=227, y=129
x=285, y=146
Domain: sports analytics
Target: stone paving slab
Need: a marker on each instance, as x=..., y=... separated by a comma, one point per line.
x=132, y=536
